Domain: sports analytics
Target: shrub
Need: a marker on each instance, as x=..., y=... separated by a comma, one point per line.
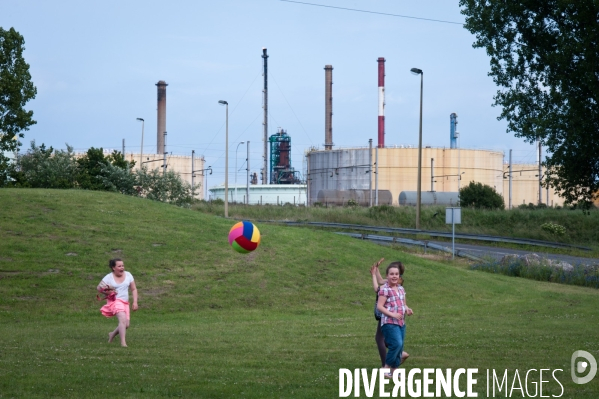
x=481, y=196
x=352, y=202
x=114, y=178
x=91, y=168
x=45, y=168
x=164, y=187
x=581, y=275
x=554, y=228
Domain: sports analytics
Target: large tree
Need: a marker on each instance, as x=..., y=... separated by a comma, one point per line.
x=16, y=89
x=545, y=60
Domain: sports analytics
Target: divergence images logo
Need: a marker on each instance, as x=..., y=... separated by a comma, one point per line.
x=581, y=367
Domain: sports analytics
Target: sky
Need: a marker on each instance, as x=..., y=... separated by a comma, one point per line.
x=95, y=66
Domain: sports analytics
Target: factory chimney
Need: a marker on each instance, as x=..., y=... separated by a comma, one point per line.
x=265, y=123
x=328, y=112
x=161, y=116
x=453, y=130
x=381, y=62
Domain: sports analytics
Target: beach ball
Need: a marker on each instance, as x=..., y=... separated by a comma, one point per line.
x=244, y=237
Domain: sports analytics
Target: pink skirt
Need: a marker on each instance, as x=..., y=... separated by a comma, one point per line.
x=115, y=306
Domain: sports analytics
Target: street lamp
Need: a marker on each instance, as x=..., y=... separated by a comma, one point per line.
x=417, y=71
x=243, y=142
x=226, y=104
x=141, y=154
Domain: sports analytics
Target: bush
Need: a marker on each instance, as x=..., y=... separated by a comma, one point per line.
x=581, y=275
x=164, y=187
x=554, y=228
x=114, y=178
x=352, y=202
x=480, y=196
x=45, y=168
x=91, y=167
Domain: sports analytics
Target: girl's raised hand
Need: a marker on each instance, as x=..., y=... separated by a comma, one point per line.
x=375, y=266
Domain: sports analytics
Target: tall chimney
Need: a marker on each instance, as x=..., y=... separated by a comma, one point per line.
x=453, y=130
x=265, y=123
x=381, y=62
x=161, y=116
x=328, y=111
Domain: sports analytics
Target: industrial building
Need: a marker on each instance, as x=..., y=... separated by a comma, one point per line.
x=382, y=174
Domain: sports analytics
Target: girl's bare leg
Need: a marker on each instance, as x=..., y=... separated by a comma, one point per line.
x=404, y=356
x=121, y=329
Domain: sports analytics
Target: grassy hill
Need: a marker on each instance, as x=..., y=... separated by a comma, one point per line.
x=279, y=322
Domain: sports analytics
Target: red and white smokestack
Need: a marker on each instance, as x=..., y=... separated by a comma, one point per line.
x=381, y=62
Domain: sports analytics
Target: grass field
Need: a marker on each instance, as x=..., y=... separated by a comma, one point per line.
x=277, y=323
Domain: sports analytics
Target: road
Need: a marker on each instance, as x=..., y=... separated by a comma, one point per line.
x=498, y=253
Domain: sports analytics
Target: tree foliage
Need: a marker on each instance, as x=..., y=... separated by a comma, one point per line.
x=16, y=89
x=42, y=167
x=478, y=195
x=545, y=60
x=90, y=167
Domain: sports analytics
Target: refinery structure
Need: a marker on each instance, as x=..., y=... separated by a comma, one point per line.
x=371, y=175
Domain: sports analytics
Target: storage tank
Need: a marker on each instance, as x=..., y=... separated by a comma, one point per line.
x=362, y=197
x=429, y=198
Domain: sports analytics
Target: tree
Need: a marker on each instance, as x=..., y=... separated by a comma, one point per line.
x=478, y=195
x=16, y=89
x=91, y=165
x=545, y=58
x=89, y=168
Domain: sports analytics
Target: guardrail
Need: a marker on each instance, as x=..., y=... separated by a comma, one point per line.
x=474, y=237
x=407, y=241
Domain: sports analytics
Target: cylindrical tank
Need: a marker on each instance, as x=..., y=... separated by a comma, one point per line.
x=362, y=197
x=430, y=198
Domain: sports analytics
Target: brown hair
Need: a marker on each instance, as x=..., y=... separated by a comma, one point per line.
x=396, y=265
x=112, y=262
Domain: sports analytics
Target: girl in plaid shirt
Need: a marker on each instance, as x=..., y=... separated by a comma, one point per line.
x=377, y=281
x=393, y=308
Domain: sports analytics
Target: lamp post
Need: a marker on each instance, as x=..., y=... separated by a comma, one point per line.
x=417, y=71
x=247, y=179
x=141, y=154
x=226, y=104
x=243, y=142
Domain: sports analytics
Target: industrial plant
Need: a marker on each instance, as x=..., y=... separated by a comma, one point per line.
x=371, y=175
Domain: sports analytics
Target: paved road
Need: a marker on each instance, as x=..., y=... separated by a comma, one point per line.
x=498, y=253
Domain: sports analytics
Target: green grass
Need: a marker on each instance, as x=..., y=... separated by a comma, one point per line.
x=279, y=322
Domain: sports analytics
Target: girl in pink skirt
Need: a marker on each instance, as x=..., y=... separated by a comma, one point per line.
x=116, y=287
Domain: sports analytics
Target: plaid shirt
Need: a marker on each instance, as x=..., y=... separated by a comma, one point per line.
x=396, y=303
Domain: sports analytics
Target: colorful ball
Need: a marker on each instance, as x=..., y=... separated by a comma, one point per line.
x=244, y=237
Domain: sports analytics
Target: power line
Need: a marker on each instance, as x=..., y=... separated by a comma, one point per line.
x=374, y=12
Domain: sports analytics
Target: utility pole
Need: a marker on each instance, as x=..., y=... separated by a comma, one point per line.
x=510, y=201
x=370, y=172
x=192, y=172
x=265, y=123
x=540, y=176
x=376, y=177
x=247, y=188
x=164, y=156
x=433, y=175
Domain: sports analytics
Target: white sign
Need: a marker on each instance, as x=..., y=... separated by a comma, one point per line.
x=453, y=215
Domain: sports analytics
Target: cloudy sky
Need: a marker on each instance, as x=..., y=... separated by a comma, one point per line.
x=95, y=65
